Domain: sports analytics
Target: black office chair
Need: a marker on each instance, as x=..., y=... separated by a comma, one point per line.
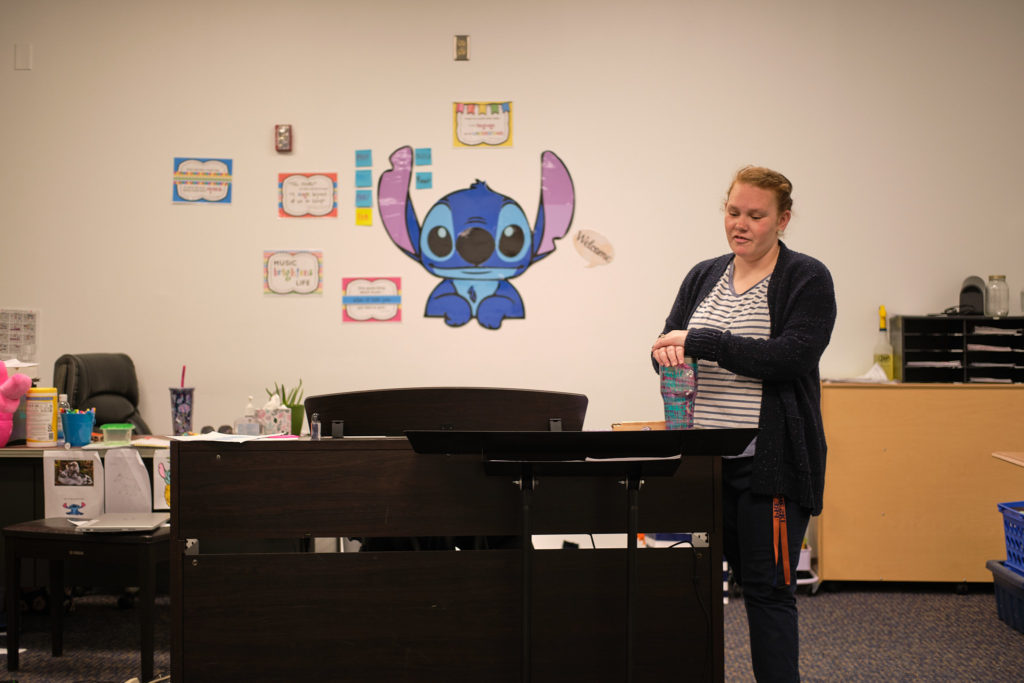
x=104, y=381
x=390, y=412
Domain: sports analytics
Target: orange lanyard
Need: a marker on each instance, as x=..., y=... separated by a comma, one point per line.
x=779, y=535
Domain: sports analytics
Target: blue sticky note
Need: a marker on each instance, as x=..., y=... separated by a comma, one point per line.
x=424, y=181
x=364, y=157
x=364, y=179
x=423, y=156
x=364, y=199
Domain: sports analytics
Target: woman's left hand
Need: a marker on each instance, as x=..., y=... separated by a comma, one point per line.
x=670, y=348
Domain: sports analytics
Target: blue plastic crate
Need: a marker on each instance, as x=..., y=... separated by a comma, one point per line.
x=1009, y=590
x=1013, y=525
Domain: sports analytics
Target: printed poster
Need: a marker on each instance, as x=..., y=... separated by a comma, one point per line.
x=18, y=334
x=367, y=300
x=72, y=484
x=198, y=181
x=307, y=195
x=486, y=124
x=293, y=272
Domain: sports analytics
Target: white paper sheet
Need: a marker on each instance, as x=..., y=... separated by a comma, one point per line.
x=72, y=484
x=128, y=488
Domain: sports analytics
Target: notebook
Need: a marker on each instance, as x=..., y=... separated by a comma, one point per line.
x=113, y=522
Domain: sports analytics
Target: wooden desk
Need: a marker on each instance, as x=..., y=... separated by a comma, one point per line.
x=21, y=483
x=58, y=540
x=911, y=486
x=430, y=615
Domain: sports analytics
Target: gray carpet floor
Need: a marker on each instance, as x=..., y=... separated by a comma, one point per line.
x=859, y=632
x=880, y=632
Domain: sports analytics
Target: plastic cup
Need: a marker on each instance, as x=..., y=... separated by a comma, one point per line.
x=678, y=390
x=181, y=410
x=78, y=428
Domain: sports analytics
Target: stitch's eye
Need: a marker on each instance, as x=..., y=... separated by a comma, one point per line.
x=511, y=241
x=439, y=240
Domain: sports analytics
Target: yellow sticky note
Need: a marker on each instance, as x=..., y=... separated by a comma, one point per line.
x=364, y=216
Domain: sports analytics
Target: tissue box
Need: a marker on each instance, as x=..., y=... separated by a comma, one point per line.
x=277, y=421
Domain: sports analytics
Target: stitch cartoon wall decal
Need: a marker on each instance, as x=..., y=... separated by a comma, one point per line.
x=475, y=239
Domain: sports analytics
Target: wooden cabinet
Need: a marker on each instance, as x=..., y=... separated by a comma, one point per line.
x=966, y=348
x=911, y=485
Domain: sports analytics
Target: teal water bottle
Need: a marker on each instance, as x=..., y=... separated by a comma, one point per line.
x=679, y=391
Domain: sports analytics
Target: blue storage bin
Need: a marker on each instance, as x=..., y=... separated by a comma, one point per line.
x=1013, y=525
x=1009, y=589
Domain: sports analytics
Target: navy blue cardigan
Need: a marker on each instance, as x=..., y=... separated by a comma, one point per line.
x=790, y=455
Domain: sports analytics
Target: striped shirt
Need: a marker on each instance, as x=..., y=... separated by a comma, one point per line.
x=725, y=399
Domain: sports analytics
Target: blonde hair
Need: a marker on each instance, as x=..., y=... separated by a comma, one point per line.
x=766, y=179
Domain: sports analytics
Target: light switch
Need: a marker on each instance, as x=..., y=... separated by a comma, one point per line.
x=23, y=57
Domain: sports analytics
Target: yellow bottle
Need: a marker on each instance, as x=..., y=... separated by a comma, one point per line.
x=883, y=348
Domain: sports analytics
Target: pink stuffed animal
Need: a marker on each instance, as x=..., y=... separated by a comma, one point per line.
x=11, y=390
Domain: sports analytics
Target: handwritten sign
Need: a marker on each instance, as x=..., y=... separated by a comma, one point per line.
x=594, y=247
x=488, y=124
x=293, y=272
x=301, y=195
x=364, y=216
x=371, y=299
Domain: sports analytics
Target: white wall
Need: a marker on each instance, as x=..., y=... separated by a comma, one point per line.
x=899, y=123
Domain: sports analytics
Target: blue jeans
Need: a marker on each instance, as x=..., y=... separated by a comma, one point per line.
x=748, y=547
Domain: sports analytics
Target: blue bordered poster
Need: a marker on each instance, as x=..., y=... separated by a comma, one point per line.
x=202, y=181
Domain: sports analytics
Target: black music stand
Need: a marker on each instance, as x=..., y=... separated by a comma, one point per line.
x=628, y=455
x=390, y=412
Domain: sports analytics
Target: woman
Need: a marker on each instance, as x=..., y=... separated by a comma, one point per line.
x=757, y=321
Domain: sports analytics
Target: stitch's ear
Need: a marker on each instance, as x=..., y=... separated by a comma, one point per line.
x=557, y=200
x=394, y=204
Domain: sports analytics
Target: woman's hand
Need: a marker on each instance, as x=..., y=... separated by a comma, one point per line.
x=669, y=348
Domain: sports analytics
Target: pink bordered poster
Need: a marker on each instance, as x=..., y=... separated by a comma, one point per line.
x=307, y=195
x=371, y=299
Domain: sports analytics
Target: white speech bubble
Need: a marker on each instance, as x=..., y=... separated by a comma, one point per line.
x=594, y=247
x=362, y=299
x=202, y=180
x=293, y=271
x=311, y=195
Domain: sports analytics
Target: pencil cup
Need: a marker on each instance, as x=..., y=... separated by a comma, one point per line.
x=78, y=428
x=181, y=410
